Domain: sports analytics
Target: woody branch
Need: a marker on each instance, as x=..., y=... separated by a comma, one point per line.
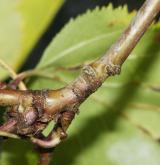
x=37, y=108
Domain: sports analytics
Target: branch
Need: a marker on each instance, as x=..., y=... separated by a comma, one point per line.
x=93, y=75
x=32, y=110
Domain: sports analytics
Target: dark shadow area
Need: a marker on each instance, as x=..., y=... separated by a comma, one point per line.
x=18, y=151
x=70, y=9
x=91, y=132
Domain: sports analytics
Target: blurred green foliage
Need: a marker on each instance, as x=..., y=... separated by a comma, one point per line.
x=22, y=22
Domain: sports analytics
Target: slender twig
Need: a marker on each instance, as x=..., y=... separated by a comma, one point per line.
x=155, y=88
x=12, y=73
x=7, y=134
x=44, y=155
x=44, y=158
x=35, y=72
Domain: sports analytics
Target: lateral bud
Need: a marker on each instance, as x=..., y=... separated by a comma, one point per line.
x=112, y=69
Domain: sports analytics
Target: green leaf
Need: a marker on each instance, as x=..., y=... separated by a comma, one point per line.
x=94, y=143
x=85, y=38
x=107, y=129
x=22, y=22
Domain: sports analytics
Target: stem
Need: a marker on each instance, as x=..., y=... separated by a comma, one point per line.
x=93, y=75
x=118, y=53
x=7, y=134
x=34, y=72
x=44, y=158
x=45, y=155
x=12, y=73
x=13, y=97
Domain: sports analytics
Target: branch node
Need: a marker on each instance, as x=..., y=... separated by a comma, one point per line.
x=113, y=69
x=89, y=74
